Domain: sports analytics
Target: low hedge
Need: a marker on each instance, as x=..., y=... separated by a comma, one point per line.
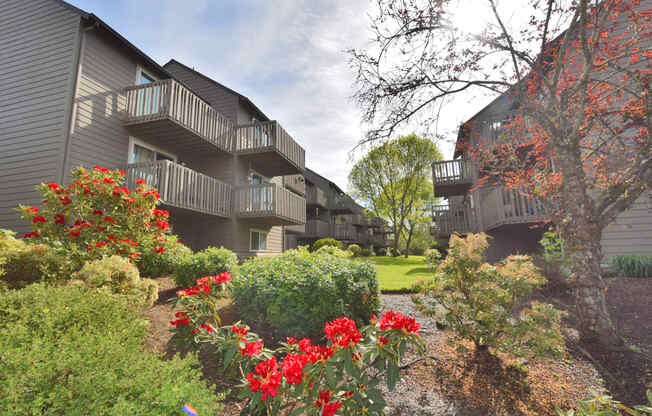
x=634, y=265
x=297, y=292
x=323, y=242
x=22, y=264
x=156, y=263
x=69, y=350
x=209, y=262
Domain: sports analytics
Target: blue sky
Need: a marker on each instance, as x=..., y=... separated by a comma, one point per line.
x=287, y=56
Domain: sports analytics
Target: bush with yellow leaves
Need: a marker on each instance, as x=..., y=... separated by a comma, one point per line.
x=483, y=303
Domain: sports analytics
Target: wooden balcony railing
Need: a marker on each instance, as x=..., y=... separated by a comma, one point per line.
x=344, y=232
x=270, y=200
x=501, y=206
x=296, y=183
x=316, y=196
x=182, y=187
x=453, y=219
x=269, y=136
x=318, y=229
x=451, y=177
x=169, y=100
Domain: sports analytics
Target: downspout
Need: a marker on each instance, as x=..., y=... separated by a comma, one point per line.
x=70, y=124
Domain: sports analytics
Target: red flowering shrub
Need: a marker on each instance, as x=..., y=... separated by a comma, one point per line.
x=299, y=377
x=96, y=216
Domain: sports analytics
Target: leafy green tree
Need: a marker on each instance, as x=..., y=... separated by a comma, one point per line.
x=390, y=177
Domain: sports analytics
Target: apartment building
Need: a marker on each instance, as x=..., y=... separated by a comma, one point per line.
x=513, y=220
x=74, y=92
x=331, y=213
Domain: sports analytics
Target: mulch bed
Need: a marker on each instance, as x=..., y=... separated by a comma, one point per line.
x=452, y=383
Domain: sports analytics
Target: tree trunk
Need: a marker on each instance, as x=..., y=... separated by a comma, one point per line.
x=396, y=251
x=408, y=242
x=589, y=289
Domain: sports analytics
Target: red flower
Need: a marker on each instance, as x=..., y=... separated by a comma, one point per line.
x=163, y=225
x=293, y=365
x=328, y=409
x=53, y=186
x=32, y=234
x=111, y=220
x=373, y=319
x=65, y=200
x=39, y=218
x=161, y=213
x=141, y=182
x=382, y=340
x=122, y=172
x=59, y=219
x=304, y=345
x=180, y=322
x=400, y=322
x=74, y=234
x=316, y=353
x=99, y=168
x=342, y=332
x=252, y=348
x=100, y=244
x=129, y=200
x=33, y=210
x=240, y=331
x=108, y=180
x=265, y=378
x=223, y=277
x=208, y=328
x=159, y=250
x=291, y=340
x=180, y=314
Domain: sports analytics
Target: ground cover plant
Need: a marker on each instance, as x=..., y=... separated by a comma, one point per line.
x=323, y=242
x=399, y=274
x=296, y=293
x=96, y=216
x=635, y=265
x=300, y=377
x=70, y=350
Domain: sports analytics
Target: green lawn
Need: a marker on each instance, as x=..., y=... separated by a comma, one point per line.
x=398, y=273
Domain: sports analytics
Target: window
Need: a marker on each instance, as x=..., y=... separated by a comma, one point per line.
x=149, y=99
x=144, y=78
x=257, y=240
x=141, y=152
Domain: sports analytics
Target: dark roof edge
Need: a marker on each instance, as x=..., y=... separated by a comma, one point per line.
x=244, y=99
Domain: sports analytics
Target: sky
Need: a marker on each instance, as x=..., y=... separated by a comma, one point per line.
x=287, y=56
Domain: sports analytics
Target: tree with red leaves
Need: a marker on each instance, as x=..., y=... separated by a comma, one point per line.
x=577, y=136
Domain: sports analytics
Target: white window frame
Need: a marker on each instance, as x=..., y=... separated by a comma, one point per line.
x=135, y=141
x=140, y=70
x=259, y=231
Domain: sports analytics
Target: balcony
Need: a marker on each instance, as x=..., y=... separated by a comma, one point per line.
x=451, y=219
x=184, y=188
x=295, y=229
x=270, y=203
x=167, y=114
x=502, y=206
x=318, y=229
x=269, y=148
x=295, y=183
x=345, y=232
x=343, y=204
x=451, y=177
x=316, y=196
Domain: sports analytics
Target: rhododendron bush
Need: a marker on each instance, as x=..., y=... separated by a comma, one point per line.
x=96, y=216
x=299, y=377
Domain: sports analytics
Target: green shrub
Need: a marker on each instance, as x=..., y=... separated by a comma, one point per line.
x=433, y=257
x=118, y=275
x=69, y=350
x=156, y=263
x=209, y=262
x=297, y=292
x=477, y=301
x=366, y=252
x=97, y=216
x=22, y=264
x=635, y=265
x=326, y=242
x=603, y=405
x=354, y=249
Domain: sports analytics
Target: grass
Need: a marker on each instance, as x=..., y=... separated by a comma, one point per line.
x=398, y=274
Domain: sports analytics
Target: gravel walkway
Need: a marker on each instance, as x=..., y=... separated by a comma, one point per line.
x=409, y=397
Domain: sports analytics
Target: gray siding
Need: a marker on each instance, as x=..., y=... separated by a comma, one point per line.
x=223, y=100
x=631, y=233
x=38, y=49
x=97, y=133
